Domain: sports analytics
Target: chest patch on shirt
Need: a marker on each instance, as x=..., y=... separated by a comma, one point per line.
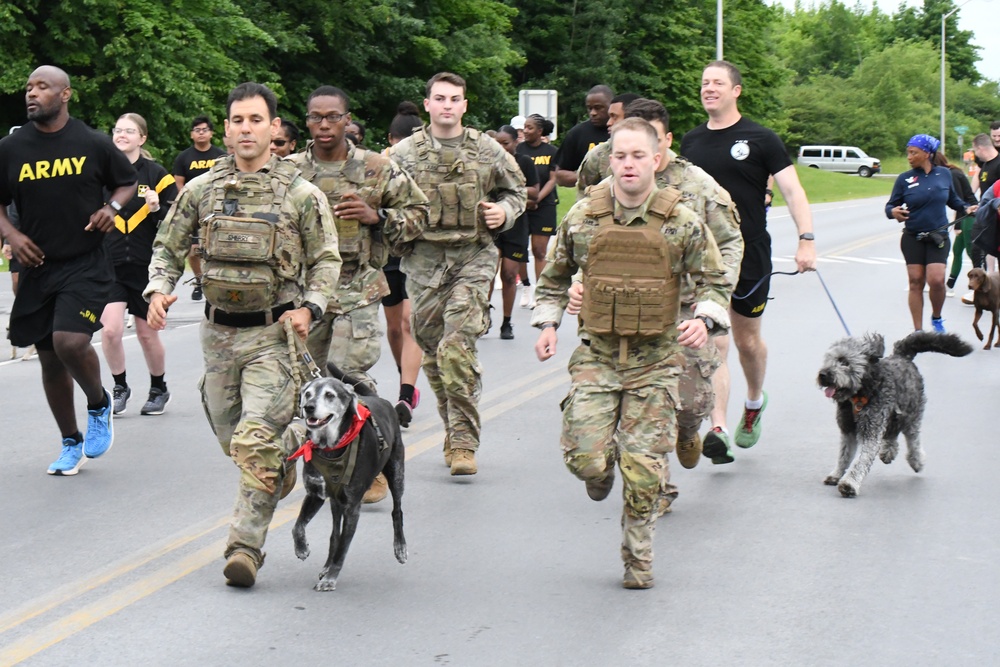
x=740, y=150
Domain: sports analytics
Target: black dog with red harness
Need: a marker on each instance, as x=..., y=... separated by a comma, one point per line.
x=353, y=436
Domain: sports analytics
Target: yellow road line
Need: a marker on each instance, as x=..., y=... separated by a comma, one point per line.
x=111, y=603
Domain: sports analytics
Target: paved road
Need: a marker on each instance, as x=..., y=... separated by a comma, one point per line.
x=760, y=563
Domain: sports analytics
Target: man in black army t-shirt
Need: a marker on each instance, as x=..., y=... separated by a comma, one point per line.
x=192, y=162
x=583, y=136
x=55, y=169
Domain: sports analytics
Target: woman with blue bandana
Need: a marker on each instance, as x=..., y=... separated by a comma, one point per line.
x=919, y=200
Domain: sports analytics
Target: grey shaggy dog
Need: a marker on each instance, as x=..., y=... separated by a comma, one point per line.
x=877, y=399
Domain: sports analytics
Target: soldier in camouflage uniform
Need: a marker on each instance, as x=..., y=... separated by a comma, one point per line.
x=713, y=205
x=376, y=206
x=633, y=242
x=270, y=256
x=475, y=190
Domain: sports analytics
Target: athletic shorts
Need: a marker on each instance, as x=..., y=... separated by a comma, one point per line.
x=14, y=266
x=756, y=265
x=61, y=295
x=130, y=282
x=397, y=287
x=924, y=252
x=542, y=221
x=513, y=243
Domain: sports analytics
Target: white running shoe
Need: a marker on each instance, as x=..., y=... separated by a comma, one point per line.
x=527, y=296
x=968, y=298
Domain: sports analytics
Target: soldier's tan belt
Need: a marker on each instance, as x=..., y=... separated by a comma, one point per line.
x=241, y=320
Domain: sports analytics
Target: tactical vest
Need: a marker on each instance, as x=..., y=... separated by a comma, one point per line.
x=450, y=178
x=246, y=252
x=629, y=285
x=357, y=242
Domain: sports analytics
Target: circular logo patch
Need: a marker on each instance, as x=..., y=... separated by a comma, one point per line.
x=740, y=150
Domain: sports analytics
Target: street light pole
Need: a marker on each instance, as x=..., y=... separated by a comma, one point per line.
x=718, y=29
x=944, y=18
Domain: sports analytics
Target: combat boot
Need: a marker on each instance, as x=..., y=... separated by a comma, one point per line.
x=377, y=491
x=240, y=570
x=463, y=462
x=689, y=450
x=600, y=488
x=664, y=502
x=447, y=452
x=638, y=576
x=637, y=549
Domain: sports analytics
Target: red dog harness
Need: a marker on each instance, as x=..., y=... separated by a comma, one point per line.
x=306, y=450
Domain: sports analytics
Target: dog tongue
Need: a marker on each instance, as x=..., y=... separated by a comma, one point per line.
x=829, y=391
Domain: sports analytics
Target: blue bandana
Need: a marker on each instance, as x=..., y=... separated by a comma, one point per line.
x=924, y=142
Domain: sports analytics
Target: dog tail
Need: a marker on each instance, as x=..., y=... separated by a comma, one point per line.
x=360, y=384
x=925, y=341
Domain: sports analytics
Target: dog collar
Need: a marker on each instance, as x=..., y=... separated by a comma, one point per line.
x=859, y=402
x=306, y=450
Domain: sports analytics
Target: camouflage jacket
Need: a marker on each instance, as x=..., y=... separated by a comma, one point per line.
x=304, y=208
x=501, y=181
x=695, y=253
x=382, y=185
x=699, y=192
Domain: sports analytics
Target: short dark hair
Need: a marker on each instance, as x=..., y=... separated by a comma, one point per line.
x=361, y=129
x=625, y=99
x=648, y=110
x=330, y=91
x=734, y=72
x=447, y=77
x=995, y=125
x=202, y=120
x=601, y=89
x=291, y=129
x=249, y=90
x=406, y=120
x=982, y=140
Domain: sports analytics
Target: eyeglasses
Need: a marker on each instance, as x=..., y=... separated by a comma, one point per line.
x=124, y=130
x=316, y=119
x=279, y=142
x=201, y=130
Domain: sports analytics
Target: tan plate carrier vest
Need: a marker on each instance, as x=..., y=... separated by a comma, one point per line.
x=357, y=242
x=450, y=178
x=246, y=253
x=630, y=289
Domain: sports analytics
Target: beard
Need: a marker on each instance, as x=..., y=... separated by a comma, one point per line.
x=44, y=114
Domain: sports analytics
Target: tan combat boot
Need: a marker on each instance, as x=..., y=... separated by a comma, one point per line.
x=599, y=489
x=689, y=451
x=377, y=491
x=638, y=576
x=447, y=452
x=240, y=570
x=463, y=462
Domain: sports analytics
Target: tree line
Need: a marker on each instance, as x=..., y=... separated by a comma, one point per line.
x=819, y=74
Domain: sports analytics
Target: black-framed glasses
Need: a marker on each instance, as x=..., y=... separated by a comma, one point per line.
x=279, y=142
x=316, y=119
x=201, y=130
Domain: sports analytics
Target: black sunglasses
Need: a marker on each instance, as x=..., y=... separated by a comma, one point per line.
x=279, y=142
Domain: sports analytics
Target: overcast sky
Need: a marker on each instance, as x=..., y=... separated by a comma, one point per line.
x=978, y=16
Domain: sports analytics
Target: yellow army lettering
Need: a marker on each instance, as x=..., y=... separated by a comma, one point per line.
x=758, y=308
x=88, y=315
x=202, y=164
x=542, y=159
x=67, y=166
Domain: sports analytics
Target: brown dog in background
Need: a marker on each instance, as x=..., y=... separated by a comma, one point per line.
x=986, y=296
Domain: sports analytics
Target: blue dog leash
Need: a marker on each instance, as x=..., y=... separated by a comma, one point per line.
x=795, y=273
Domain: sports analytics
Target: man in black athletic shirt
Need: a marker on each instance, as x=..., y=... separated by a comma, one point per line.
x=741, y=155
x=55, y=169
x=584, y=136
x=191, y=163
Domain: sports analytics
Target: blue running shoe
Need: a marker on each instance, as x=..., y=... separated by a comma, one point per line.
x=938, y=324
x=100, y=430
x=70, y=460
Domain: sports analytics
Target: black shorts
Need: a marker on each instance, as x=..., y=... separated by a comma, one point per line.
x=513, y=243
x=756, y=264
x=397, y=287
x=130, y=283
x=924, y=252
x=14, y=266
x=61, y=295
x=542, y=221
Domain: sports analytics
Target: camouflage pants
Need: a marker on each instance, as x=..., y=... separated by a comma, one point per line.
x=695, y=391
x=447, y=321
x=250, y=394
x=625, y=415
x=351, y=340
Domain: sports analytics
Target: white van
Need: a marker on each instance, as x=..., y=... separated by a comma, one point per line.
x=847, y=159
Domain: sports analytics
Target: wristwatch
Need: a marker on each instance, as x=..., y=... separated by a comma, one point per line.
x=547, y=325
x=317, y=314
x=808, y=236
x=709, y=322
x=383, y=215
x=115, y=205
